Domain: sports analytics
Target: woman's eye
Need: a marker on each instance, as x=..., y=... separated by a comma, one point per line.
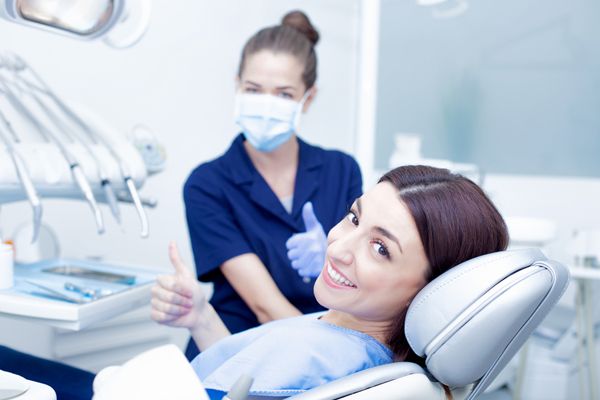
x=250, y=90
x=286, y=95
x=380, y=249
x=352, y=218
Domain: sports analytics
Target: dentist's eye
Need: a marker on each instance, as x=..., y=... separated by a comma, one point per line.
x=286, y=95
x=380, y=248
x=250, y=90
x=352, y=218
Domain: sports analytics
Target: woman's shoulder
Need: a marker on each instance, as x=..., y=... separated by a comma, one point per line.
x=216, y=168
x=296, y=354
x=203, y=177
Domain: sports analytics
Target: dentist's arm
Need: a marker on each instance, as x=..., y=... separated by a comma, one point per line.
x=179, y=301
x=251, y=280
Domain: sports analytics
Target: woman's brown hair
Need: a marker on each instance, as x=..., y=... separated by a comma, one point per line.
x=296, y=36
x=456, y=222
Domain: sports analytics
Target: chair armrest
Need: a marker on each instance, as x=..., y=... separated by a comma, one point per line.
x=410, y=387
x=360, y=381
x=37, y=391
x=159, y=373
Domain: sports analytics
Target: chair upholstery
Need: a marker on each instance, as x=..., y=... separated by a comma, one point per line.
x=467, y=324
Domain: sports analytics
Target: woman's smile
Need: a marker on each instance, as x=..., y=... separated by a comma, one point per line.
x=335, y=279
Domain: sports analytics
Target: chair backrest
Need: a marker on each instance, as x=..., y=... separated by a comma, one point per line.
x=470, y=321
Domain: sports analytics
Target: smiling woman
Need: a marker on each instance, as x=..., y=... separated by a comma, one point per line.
x=375, y=262
x=415, y=224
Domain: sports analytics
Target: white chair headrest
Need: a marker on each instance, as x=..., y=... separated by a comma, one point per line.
x=469, y=322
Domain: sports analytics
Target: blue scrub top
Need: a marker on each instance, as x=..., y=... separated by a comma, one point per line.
x=231, y=210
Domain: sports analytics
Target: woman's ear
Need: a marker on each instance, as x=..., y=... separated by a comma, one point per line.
x=312, y=92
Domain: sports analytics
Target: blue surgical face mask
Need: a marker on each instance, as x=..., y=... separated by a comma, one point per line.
x=267, y=121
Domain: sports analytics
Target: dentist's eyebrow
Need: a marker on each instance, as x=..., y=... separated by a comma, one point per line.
x=286, y=88
x=252, y=83
x=389, y=235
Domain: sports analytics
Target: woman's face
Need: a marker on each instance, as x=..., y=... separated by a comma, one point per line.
x=375, y=261
x=277, y=74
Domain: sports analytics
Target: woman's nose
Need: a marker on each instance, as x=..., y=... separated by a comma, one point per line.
x=341, y=251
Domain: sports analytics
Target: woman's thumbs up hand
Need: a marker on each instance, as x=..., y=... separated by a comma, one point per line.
x=177, y=299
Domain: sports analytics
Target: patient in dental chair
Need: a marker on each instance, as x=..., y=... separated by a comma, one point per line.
x=414, y=225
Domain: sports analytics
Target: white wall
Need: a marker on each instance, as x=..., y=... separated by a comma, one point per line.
x=572, y=203
x=179, y=81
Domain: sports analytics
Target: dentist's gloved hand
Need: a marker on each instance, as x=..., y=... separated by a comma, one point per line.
x=306, y=250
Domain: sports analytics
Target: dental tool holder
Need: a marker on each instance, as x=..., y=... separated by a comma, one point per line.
x=51, y=174
x=50, y=149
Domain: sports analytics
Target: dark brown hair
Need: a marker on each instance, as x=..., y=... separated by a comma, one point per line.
x=456, y=222
x=295, y=36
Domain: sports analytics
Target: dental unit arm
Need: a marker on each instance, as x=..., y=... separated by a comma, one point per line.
x=93, y=135
x=76, y=172
x=78, y=150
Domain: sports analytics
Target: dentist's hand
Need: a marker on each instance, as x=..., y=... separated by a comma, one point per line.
x=178, y=300
x=306, y=250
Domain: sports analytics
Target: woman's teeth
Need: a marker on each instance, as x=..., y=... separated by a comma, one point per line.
x=337, y=278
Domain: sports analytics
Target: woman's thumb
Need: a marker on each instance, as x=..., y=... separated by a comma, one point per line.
x=180, y=267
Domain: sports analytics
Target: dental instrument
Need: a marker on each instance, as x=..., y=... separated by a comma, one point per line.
x=18, y=64
x=49, y=136
x=24, y=177
x=93, y=274
x=150, y=202
x=87, y=292
x=57, y=294
x=109, y=193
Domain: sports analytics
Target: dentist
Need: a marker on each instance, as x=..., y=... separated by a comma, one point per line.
x=258, y=215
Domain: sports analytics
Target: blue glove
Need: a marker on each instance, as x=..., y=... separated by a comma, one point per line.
x=306, y=250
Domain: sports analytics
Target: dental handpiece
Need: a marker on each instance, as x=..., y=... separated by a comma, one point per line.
x=109, y=193
x=129, y=184
x=25, y=180
x=95, y=137
x=76, y=172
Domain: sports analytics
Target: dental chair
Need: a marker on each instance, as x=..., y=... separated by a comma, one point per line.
x=467, y=324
